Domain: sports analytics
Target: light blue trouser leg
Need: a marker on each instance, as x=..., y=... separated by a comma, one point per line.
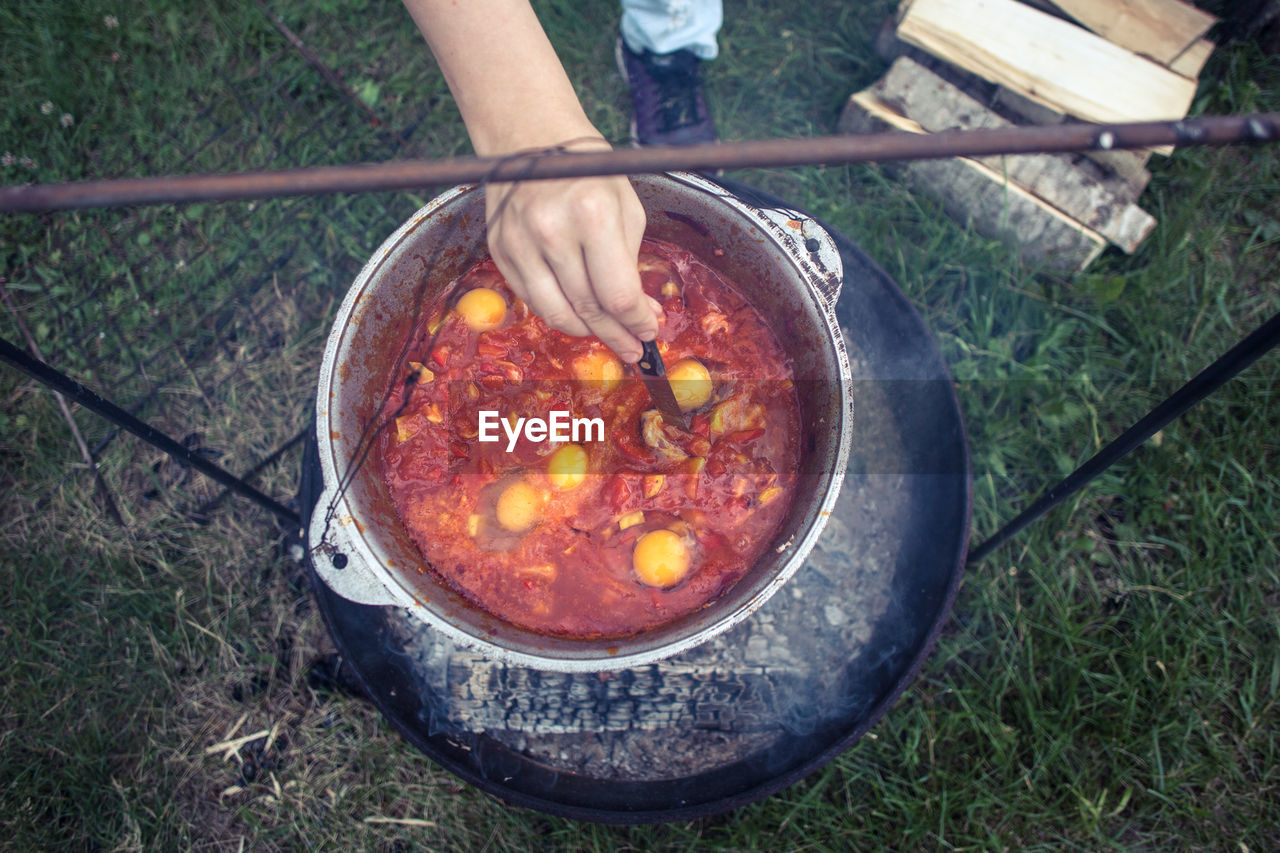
x=665, y=26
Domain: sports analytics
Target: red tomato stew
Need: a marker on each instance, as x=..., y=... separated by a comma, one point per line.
x=605, y=520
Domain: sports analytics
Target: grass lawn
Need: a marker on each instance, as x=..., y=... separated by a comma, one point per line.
x=1109, y=679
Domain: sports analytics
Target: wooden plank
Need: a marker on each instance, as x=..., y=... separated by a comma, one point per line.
x=1046, y=59
x=1160, y=29
x=1130, y=165
x=973, y=194
x=936, y=105
x=1191, y=61
x=1045, y=6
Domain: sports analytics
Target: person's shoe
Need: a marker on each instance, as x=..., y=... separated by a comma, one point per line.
x=666, y=92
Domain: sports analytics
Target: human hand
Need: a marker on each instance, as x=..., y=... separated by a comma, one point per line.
x=568, y=248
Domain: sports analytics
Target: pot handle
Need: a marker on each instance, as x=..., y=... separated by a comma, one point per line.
x=338, y=559
x=810, y=238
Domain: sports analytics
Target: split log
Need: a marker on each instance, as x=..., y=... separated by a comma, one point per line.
x=1046, y=59
x=1129, y=166
x=1065, y=181
x=1160, y=29
x=1191, y=61
x=972, y=193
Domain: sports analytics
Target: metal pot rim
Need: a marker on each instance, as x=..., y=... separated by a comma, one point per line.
x=347, y=563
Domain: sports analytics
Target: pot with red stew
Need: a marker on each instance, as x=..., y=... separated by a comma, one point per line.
x=606, y=521
x=517, y=489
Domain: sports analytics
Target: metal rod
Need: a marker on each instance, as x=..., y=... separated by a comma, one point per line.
x=104, y=491
x=270, y=459
x=1243, y=354
x=555, y=163
x=90, y=400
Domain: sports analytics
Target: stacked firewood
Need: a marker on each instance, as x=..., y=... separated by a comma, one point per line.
x=970, y=64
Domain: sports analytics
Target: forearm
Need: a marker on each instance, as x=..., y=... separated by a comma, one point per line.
x=568, y=247
x=505, y=76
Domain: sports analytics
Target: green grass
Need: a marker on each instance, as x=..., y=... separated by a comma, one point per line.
x=1108, y=679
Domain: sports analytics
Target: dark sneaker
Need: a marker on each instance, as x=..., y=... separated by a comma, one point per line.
x=666, y=91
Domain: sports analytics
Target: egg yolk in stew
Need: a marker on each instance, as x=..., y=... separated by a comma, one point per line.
x=568, y=467
x=690, y=383
x=660, y=558
x=600, y=368
x=482, y=308
x=626, y=525
x=519, y=507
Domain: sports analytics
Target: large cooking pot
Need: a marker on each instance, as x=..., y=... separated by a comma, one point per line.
x=785, y=264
